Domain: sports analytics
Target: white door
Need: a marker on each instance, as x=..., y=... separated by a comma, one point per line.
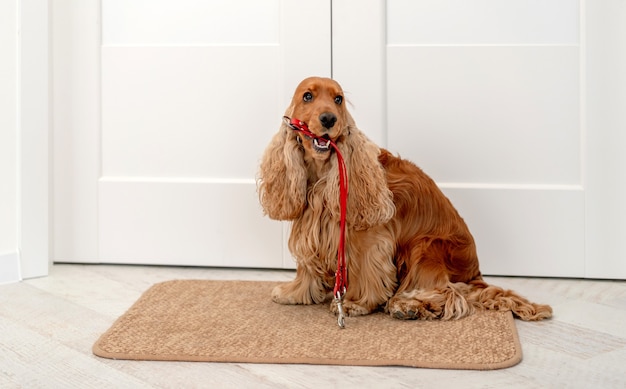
x=162, y=110
x=485, y=96
x=514, y=107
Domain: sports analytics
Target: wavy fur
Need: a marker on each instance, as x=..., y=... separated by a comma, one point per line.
x=408, y=250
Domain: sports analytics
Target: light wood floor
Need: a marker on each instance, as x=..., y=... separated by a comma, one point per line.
x=48, y=325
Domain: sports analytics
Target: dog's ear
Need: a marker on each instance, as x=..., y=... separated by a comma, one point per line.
x=370, y=202
x=282, y=177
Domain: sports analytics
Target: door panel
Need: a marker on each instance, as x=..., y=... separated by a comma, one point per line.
x=191, y=22
x=485, y=22
x=524, y=230
x=181, y=112
x=509, y=114
x=186, y=222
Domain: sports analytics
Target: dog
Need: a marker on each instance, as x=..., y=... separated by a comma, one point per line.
x=408, y=251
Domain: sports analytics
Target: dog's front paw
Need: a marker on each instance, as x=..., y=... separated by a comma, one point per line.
x=282, y=296
x=350, y=308
x=296, y=292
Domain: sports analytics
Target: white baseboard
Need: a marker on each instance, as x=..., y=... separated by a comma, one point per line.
x=10, y=268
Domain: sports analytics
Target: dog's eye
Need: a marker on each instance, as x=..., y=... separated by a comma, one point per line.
x=338, y=100
x=307, y=96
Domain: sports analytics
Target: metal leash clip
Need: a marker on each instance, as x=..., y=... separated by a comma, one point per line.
x=341, y=316
x=295, y=124
x=287, y=121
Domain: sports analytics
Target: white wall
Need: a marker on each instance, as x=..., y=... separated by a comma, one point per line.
x=9, y=269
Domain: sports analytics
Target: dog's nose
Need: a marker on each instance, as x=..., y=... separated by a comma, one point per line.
x=328, y=119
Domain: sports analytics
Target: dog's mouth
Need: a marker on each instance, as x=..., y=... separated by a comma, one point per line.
x=322, y=144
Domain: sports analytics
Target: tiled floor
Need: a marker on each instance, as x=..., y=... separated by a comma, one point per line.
x=48, y=325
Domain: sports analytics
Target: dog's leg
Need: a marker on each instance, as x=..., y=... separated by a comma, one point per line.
x=306, y=288
x=426, y=291
x=371, y=272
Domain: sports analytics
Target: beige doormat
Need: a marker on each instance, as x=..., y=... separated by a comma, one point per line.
x=236, y=321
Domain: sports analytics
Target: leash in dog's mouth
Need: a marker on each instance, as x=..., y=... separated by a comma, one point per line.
x=321, y=144
x=341, y=274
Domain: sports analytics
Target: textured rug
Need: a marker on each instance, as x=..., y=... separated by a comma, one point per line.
x=236, y=321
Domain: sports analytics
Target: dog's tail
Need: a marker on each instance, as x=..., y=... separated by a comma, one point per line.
x=484, y=296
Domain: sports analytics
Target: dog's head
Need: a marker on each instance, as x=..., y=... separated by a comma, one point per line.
x=292, y=160
x=320, y=103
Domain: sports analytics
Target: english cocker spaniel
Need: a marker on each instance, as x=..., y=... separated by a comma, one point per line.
x=407, y=249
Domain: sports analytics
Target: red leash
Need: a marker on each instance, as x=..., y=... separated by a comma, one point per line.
x=341, y=274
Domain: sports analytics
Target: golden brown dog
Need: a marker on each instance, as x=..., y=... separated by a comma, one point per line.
x=407, y=248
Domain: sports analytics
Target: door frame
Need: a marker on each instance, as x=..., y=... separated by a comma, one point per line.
x=33, y=128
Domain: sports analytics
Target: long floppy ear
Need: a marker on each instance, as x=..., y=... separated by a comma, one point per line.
x=370, y=202
x=282, y=177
